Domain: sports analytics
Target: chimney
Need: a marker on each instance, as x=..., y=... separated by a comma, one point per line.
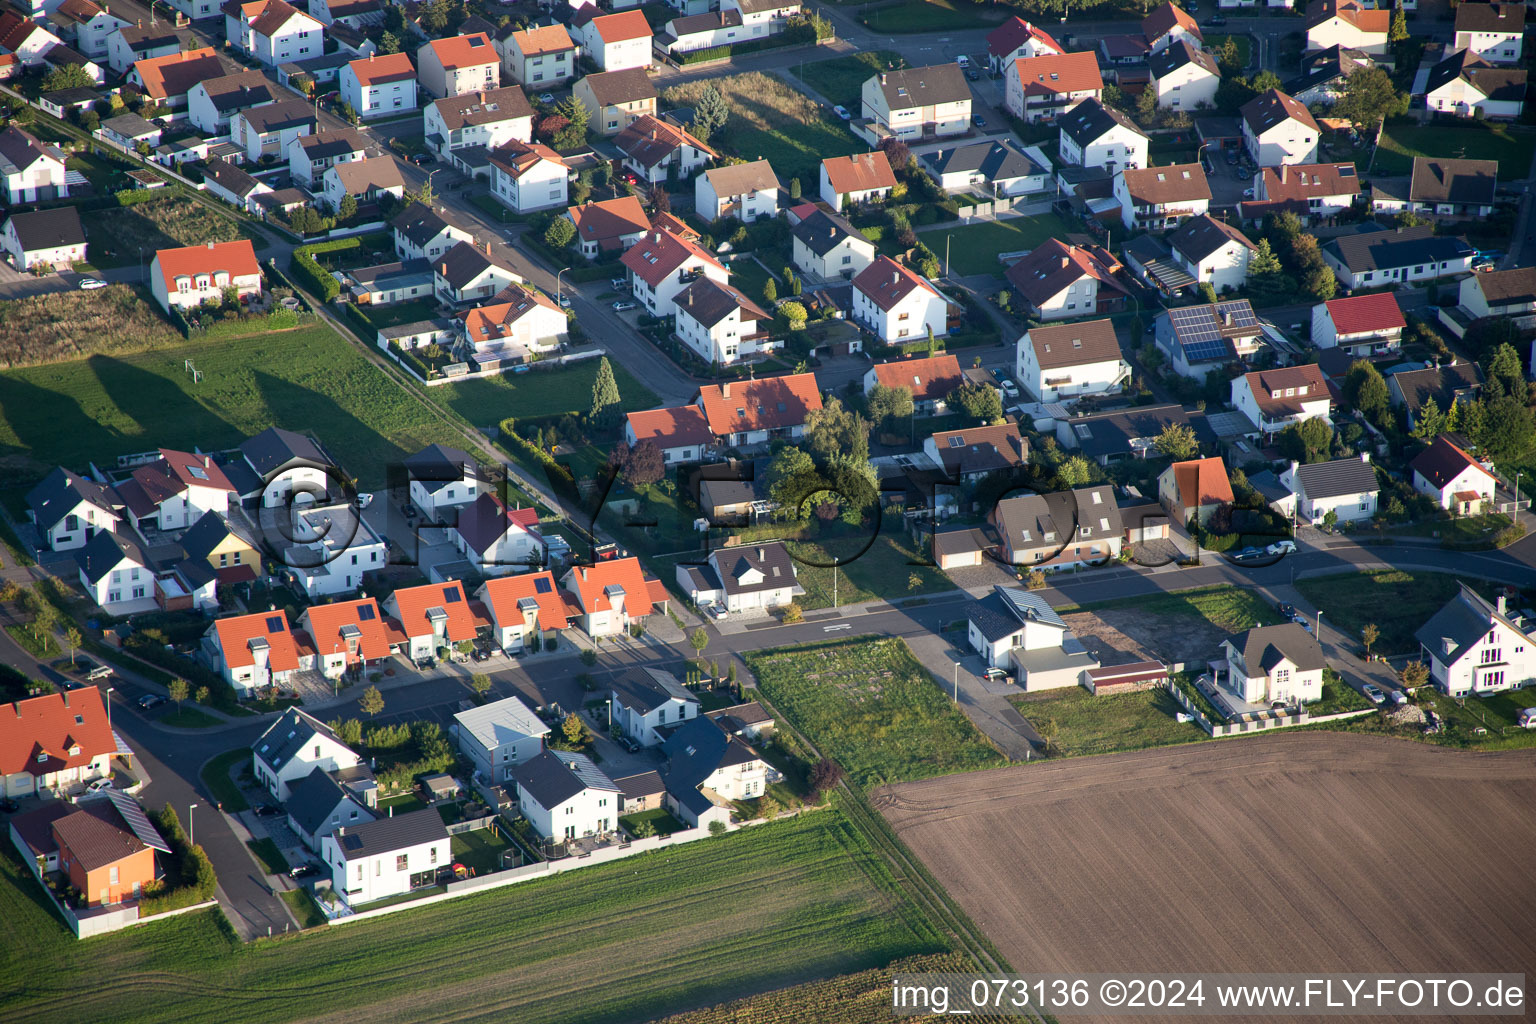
x=882, y=78
x=370, y=58
x=1065, y=262
x=1226, y=318
x=487, y=247
x=210, y=246
x=1365, y=457
x=445, y=270
x=1501, y=603
x=1283, y=169
x=480, y=96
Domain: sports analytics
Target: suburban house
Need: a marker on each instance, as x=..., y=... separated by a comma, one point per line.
x=378, y=85
x=1345, y=487
x=1274, y=399
x=1445, y=385
x=69, y=509
x=1058, y=530
x=528, y=176
x=1278, y=130
x=44, y=238
x=732, y=493
x=1184, y=77
x=653, y=148
x=1455, y=480
x=987, y=168
x=1045, y=87
x=1325, y=74
x=616, y=42
x=1456, y=189
x=318, y=805
x=443, y=478
x=1476, y=647
x=703, y=761
x=1272, y=665
x=721, y=324
x=346, y=635
x=1093, y=135
x=230, y=551
x=1057, y=362
x=387, y=857
x=168, y=79
x=1493, y=31
x=527, y=610
x=1311, y=190
x=1198, y=339
x=131, y=130
x=680, y=432
x=499, y=736
x=860, y=178
x=744, y=191
x=929, y=380
x=1212, y=251
x=253, y=651
x=608, y=225
x=422, y=232
x=284, y=463
x=1361, y=325
x=86, y=27
x=273, y=31
x=975, y=452
x=467, y=273
x=364, y=180
x=1194, y=489
x=175, y=490
x=647, y=702
x=525, y=326
x=1396, y=256
x=213, y=102
x=127, y=46
x=104, y=846
x=918, y=103
x=1161, y=198
x=898, y=304
x=458, y=65
x=1166, y=25
x=1057, y=280
x=234, y=186
x=1349, y=24
x=1107, y=437
x=745, y=578
x=292, y=747
x=489, y=117
x=496, y=539
x=33, y=171
x=539, y=56
x=661, y=264
x=55, y=743
x=745, y=412
x=310, y=156
x=1506, y=293
x=268, y=130
x=825, y=245
x=1016, y=38
x=1017, y=633
x=190, y=276
x=565, y=796
x=615, y=98
x=432, y=617
x=118, y=572
x=613, y=594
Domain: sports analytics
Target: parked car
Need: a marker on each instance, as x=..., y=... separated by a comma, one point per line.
x=619, y=284
x=1398, y=698
x=1282, y=547
x=98, y=785
x=1232, y=157
x=972, y=75
x=842, y=112
x=546, y=97
x=421, y=159
x=1287, y=612
x=1246, y=553
x=1009, y=388
x=1373, y=693
x=1215, y=21
x=90, y=284
x=1248, y=193
x=267, y=810
x=1526, y=719
x=8, y=806
x=565, y=301
x=629, y=745
x=963, y=61
x=303, y=871
x=979, y=121
x=715, y=612
x=623, y=306
x=151, y=700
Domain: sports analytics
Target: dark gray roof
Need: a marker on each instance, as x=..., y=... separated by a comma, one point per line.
x=924, y=87
x=399, y=274
x=1200, y=236
x=105, y=551
x=1490, y=17
x=231, y=178
x=205, y=535
x=1464, y=620
x=1111, y=433
x=274, y=448
x=997, y=161
x=772, y=560
x=1170, y=59
x=323, y=145
x=1262, y=648
x=644, y=784
x=1087, y=122
x=555, y=776
x=21, y=149
x=1442, y=180
x=277, y=116
x=1442, y=383
x=1499, y=84
x=1337, y=478
x=131, y=126
x=1006, y=610
x=483, y=523
x=960, y=540
x=420, y=223
x=312, y=799
x=240, y=91
x=69, y=97
x=708, y=302
x=715, y=493
x=288, y=735
x=822, y=232
x=991, y=615
x=1326, y=66
x=465, y=262
x=627, y=86
x=436, y=466
x=390, y=834
x=61, y=490
x=646, y=689
x=695, y=750
x=1397, y=247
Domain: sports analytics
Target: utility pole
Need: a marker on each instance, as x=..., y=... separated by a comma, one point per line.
x=191, y=831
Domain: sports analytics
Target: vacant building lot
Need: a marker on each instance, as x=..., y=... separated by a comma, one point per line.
x=1312, y=851
x=1180, y=627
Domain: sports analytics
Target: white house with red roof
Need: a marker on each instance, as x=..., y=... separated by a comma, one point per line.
x=1312, y=190
x=346, y=635
x=525, y=609
x=176, y=490
x=1274, y=399
x=1360, y=324
x=379, y=85
x=54, y=743
x=1016, y=38
x=744, y=412
x=681, y=432
x=608, y=225
x=253, y=651
x=1168, y=24
x=498, y=540
x=662, y=264
x=1059, y=281
x=1041, y=88
x=528, y=176
x=429, y=618
x=273, y=31
x=613, y=594
x=652, y=148
x=457, y=65
x=195, y=274
x=930, y=380
x=1349, y=24
x=1455, y=480
x=538, y=57
x=524, y=325
x=860, y=178
x=898, y=304
x=616, y=42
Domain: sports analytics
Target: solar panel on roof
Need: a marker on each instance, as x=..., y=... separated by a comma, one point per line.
x=365, y=613
x=274, y=624
x=133, y=816
x=542, y=585
x=1203, y=351
x=451, y=595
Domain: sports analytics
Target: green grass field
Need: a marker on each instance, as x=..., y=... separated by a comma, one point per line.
x=216, y=778
x=1338, y=697
x=1244, y=46
x=775, y=905
x=305, y=379
x=1226, y=608
x=1511, y=147
x=870, y=705
x=974, y=249
x=1397, y=602
x=400, y=313
x=841, y=79
x=303, y=906
x=480, y=850
x=661, y=820
x=268, y=855
x=933, y=16
x=1460, y=721
x=1085, y=724
x=538, y=393
x=189, y=718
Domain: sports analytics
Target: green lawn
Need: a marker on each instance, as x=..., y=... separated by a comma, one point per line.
x=305, y=379
x=933, y=16
x=216, y=779
x=1226, y=608
x=402, y=804
x=400, y=313
x=189, y=718
x=268, y=856
x=974, y=249
x=1338, y=697
x=480, y=850
x=538, y=393
x=303, y=906
x=1510, y=146
x=1397, y=602
x=869, y=704
x=1244, y=46
x=1085, y=724
x=776, y=905
x=38, y=646
x=1460, y=721
x=661, y=820
x=841, y=79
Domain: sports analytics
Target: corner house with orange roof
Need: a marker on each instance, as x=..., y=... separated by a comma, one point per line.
x=346, y=636
x=612, y=595
x=196, y=274
x=168, y=79
x=1194, y=490
x=745, y=412
x=429, y=618
x=897, y=304
x=662, y=264
x=253, y=651
x=54, y=743
x=682, y=432
x=526, y=609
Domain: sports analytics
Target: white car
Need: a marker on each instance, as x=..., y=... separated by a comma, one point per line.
x=1009, y=388
x=1282, y=547
x=1373, y=693
x=546, y=97
x=963, y=61
x=99, y=785
x=90, y=284
x=623, y=306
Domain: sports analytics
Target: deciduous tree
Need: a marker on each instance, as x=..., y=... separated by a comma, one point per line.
x=371, y=702
x=560, y=233
x=835, y=429
x=1178, y=442
x=177, y=688
x=978, y=401
x=1370, y=97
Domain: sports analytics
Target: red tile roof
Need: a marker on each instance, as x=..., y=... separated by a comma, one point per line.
x=860, y=172
x=671, y=428
x=236, y=633
x=615, y=28
x=1361, y=314
x=887, y=282
x=411, y=606
x=592, y=580
x=237, y=258
x=661, y=253
x=468, y=51
x=1305, y=381
x=324, y=623
x=1443, y=462
x=1351, y=11
x=272, y=16
x=175, y=73
x=384, y=67
x=546, y=39
x=49, y=726
x=1059, y=73
x=1202, y=482
x=1014, y=33
x=518, y=158
x=609, y=220
x=1162, y=186
x=489, y=323
x=1165, y=19
x=1310, y=181
x=767, y=403
x=929, y=379
x=505, y=592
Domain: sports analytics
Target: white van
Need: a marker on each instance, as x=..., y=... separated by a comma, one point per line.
x=1527, y=718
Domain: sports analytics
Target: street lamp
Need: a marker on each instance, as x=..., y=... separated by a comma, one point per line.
x=957, y=682
x=1319, y=627
x=109, y=709
x=557, y=285
x=191, y=831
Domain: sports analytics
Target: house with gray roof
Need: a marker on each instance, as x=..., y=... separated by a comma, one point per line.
x=706, y=768
x=1475, y=646
x=390, y=856
x=1018, y=634
x=1059, y=530
x=283, y=461
x=1272, y=665
x=1345, y=487
x=319, y=805
x=996, y=168
x=294, y=746
x=1368, y=259
x=564, y=796
x=1456, y=381
x=1117, y=434
x=827, y=245
x=69, y=509
x=749, y=578
x=499, y=736
x=648, y=702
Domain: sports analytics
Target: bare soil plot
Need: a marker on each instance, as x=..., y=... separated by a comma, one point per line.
x=1308, y=852
x=1104, y=639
